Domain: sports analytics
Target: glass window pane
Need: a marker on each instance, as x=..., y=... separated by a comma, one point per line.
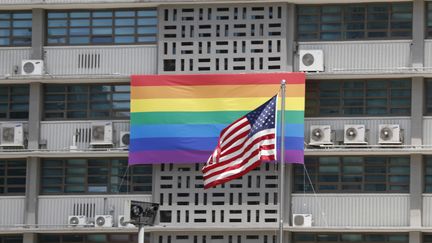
x=98, y=14
x=124, y=22
x=79, y=14
x=102, y=31
x=124, y=31
x=79, y=22
x=102, y=22
x=79, y=31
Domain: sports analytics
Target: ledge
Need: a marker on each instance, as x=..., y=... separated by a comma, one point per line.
x=243, y=228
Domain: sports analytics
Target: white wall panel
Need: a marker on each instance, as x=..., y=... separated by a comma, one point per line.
x=11, y=210
x=50, y=131
x=428, y=54
x=347, y=210
x=427, y=210
x=54, y=210
x=371, y=123
x=362, y=56
x=10, y=59
x=427, y=130
x=101, y=60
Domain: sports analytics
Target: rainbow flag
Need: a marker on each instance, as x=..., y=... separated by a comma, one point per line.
x=178, y=118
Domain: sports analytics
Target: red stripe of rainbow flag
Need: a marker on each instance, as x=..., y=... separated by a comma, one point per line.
x=178, y=118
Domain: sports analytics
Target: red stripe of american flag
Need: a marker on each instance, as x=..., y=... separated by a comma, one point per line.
x=217, y=172
x=220, y=170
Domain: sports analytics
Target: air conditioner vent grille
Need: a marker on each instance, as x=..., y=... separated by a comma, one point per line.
x=8, y=135
x=98, y=133
x=28, y=67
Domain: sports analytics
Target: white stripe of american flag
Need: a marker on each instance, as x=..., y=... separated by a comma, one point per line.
x=224, y=173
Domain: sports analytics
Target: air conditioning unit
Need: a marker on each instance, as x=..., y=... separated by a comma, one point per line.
x=77, y=220
x=311, y=60
x=124, y=139
x=32, y=67
x=12, y=135
x=355, y=134
x=101, y=133
x=302, y=220
x=104, y=221
x=390, y=134
x=320, y=135
x=123, y=224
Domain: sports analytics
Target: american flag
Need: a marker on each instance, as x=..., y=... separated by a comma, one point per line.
x=243, y=145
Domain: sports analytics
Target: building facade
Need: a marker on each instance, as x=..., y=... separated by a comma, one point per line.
x=377, y=70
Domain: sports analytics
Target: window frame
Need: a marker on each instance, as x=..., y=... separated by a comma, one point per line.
x=425, y=174
x=314, y=107
x=428, y=14
x=9, y=102
x=88, y=102
x=11, y=28
x=343, y=22
x=427, y=95
x=112, y=26
x=11, y=238
x=7, y=164
x=107, y=165
x=314, y=174
x=339, y=237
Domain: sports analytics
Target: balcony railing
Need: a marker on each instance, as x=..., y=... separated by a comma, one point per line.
x=78, y=130
x=101, y=60
x=393, y=56
x=54, y=211
x=354, y=210
x=11, y=211
x=10, y=60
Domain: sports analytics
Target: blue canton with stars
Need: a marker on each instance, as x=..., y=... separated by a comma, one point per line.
x=262, y=117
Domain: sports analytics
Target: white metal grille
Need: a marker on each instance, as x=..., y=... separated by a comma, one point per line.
x=251, y=199
x=215, y=237
x=222, y=38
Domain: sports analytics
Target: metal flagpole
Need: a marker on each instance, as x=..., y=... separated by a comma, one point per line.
x=141, y=233
x=282, y=163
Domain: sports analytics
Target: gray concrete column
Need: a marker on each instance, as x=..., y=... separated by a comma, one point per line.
x=32, y=190
x=30, y=238
x=416, y=190
x=418, y=33
x=290, y=33
x=38, y=33
x=417, y=108
x=415, y=237
x=35, y=115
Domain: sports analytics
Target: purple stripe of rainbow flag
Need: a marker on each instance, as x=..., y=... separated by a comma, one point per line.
x=178, y=118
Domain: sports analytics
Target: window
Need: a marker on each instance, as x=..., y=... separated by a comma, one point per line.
x=94, y=238
x=428, y=174
x=427, y=238
x=14, y=102
x=102, y=27
x=354, y=21
x=429, y=20
x=353, y=174
x=358, y=97
x=83, y=101
x=350, y=237
x=428, y=95
x=12, y=177
x=11, y=239
x=15, y=28
x=94, y=176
